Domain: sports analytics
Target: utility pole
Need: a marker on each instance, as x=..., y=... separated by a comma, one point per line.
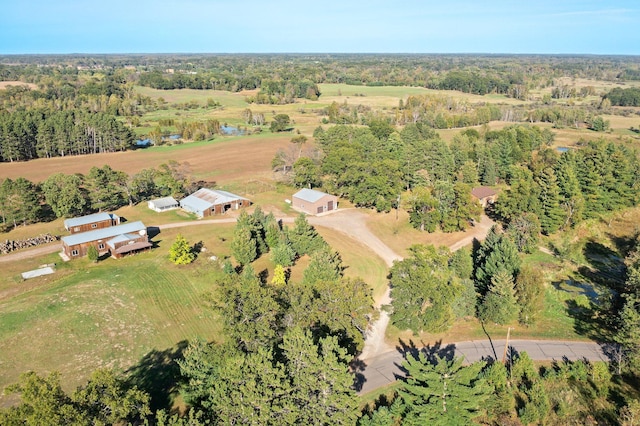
x=506, y=346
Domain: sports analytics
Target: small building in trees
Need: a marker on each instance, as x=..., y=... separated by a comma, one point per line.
x=314, y=202
x=208, y=202
x=117, y=240
x=485, y=195
x=91, y=222
x=163, y=204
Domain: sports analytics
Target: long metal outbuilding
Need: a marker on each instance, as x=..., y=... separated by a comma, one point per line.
x=109, y=239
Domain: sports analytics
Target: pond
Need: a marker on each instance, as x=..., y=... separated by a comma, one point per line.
x=231, y=130
x=562, y=149
x=142, y=143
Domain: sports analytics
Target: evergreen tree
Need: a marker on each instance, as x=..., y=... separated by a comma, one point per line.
x=496, y=253
x=272, y=231
x=19, y=202
x=325, y=265
x=572, y=200
x=464, y=305
x=627, y=335
x=468, y=173
x=321, y=385
x=461, y=263
x=283, y=254
x=521, y=197
x=258, y=221
x=502, y=401
x=243, y=245
x=551, y=214
x=304, y=237
x=529, y=289
x=181, y=253
x=536, y=406
x=500, y=304
x=107, y=188
x=442, y=393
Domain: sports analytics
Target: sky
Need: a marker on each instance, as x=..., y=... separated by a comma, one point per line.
x=329, y=26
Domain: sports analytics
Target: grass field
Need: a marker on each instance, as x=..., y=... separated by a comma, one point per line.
x=108, y=314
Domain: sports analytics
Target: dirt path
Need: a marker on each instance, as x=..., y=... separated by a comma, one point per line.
x=29, y=253
x=478, y=232
x=352, y=223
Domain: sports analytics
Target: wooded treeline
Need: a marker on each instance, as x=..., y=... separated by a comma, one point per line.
x=23, y=202
x=43, y=133
x=469, y=73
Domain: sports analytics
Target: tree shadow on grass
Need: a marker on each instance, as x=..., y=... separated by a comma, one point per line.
x=606, y=265
x=589, y=321
x=158, y=374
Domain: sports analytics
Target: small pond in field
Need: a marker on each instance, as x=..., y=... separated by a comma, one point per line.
x=142, y=143
x=562, y=149
x=231, y=130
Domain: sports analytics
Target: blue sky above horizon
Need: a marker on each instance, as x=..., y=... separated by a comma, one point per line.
x=375, y=26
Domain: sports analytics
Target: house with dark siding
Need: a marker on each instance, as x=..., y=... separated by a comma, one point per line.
x=117, y=240
x=91, y=222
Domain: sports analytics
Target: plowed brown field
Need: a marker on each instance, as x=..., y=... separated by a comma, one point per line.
x=222, y=160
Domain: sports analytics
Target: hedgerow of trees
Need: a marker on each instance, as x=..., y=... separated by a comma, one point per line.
x=23, y=202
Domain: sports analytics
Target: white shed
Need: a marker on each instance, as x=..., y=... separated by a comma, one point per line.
x=163, y=204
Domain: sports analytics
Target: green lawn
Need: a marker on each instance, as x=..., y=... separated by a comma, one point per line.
x=112, y=313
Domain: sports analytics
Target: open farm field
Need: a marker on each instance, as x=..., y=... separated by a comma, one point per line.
x=222, y=160
x=601, y=86
x=388, y=96
x=228, y=99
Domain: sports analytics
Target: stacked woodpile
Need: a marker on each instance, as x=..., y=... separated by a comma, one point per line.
x=11, y=245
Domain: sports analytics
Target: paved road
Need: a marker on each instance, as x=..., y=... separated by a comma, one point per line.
x=385, y=368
